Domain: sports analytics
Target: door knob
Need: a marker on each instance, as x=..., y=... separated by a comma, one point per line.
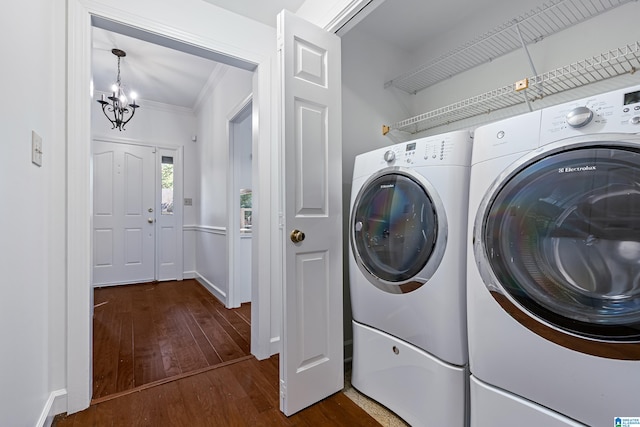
x=150, y=220
x=297, y=236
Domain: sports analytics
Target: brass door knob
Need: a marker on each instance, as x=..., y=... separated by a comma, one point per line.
x=297, y=236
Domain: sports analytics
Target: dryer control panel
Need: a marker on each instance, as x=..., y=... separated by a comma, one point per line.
x=616, y=111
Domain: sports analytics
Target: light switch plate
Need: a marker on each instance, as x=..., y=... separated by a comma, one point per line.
x=36, y=149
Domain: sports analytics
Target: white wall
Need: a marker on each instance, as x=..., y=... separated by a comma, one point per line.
x=366, y=104
x=242, y=135
x=191, y=191
x=212, y=269
x=33, y=224
x=153, y=124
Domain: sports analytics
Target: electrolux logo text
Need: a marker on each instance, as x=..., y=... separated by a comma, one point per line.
x=387, y=186
x=570, y=169
x=626, y=422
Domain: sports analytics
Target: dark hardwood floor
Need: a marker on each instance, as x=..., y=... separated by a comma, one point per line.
x=147, y=333
x=242, y=393
x=170, y=354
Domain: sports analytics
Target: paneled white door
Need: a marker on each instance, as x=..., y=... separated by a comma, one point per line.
x=312, y=357
x=123, y=213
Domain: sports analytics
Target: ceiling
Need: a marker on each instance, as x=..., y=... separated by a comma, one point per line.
x=409, y=24
x=173, y=77
x=156, y=73
x=264, y=11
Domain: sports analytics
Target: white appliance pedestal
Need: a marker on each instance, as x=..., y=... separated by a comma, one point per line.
x=421, y=389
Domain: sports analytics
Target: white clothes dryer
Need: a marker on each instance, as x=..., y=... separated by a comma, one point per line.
x=407, y=270
x=553, y=269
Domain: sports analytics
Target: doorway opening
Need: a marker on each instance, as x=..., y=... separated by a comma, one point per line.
x=240, y=203
x=80, y=199
x=137, y=234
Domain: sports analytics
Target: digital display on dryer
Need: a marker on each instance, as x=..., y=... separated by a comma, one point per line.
x=631, y=97
x=411, y=147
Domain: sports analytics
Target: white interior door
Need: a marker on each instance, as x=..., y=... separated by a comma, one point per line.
x=311, y=361
x=123, y=213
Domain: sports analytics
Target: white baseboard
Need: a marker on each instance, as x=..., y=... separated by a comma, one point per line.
x=189, y=275
x=275, y=345
x=215, y=291
x=56, y=404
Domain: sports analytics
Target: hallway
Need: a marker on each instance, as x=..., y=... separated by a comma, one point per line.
x=151, y=332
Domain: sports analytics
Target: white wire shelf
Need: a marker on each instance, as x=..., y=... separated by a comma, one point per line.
x=623, y=60
x=533, y=26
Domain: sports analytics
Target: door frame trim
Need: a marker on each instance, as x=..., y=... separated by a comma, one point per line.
x=233, y=223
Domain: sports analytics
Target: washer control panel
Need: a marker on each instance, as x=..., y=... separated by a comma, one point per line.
x=449, y=149
x=444, y=149
x=617, y=111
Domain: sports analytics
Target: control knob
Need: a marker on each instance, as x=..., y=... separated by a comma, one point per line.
x=579, y=117
x=389, y=156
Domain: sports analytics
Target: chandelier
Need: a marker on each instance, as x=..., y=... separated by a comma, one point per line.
x=116, y=107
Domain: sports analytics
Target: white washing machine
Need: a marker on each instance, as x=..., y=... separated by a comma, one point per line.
x=553, y=269
x=407, y=269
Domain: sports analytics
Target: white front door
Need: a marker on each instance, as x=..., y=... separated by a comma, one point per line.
x=311, y=361
x=123, y=213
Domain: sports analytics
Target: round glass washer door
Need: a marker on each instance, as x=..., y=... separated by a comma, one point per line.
x=398, y=230
x=559, y=236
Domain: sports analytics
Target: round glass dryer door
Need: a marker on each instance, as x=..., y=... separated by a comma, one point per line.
x=398, y=230
x=561, y=237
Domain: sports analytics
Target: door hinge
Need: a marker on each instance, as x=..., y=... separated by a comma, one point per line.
x=283, y=391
